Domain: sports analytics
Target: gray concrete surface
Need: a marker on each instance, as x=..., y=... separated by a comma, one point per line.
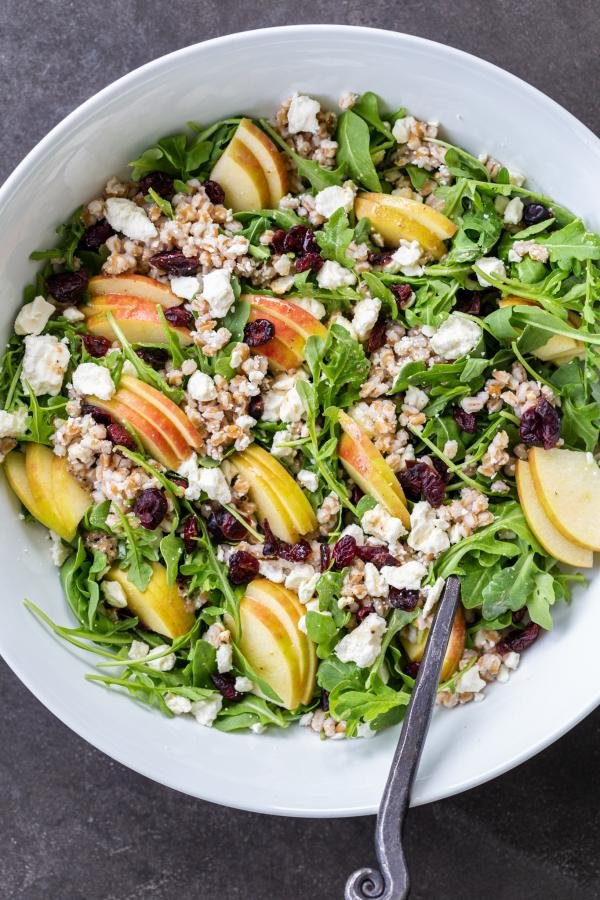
x=76, y=826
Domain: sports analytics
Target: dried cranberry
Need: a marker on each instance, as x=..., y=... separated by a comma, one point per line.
x=379, y=257
x=224, y=526
x=465, y=421
x=377, y=336
x=540, y=425
x=403, y=598
x=356, y=495
x=534, y=213
x=324, y=700
x=174, y=262
x=412, y=669
x=419, y=479
x=468, y=302
x=151, y=507
x=312, y=261
x=256, y=407
x=259, y=332
x=159, y=182
x=300, y=239
x=117, y=434
x=179, y=481
x=153, y=356
x=225, y=684
x=442, y=469
x=378, y=554
x=96, y=345
x=179, y=317
x=363, y=612
x=278, y=241
x=344, y=551
x=271, y=542
x=273, y=546
x=96, y=235
x=518, y=615
x=67, y=287
x=325, y=556
x=97, y=414
x=518, y=641
x=402, y=293
x=243, y=567
x=190, y=532
x=214, y=192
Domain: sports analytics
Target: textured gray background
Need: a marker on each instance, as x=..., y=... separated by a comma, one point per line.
x=74, y=824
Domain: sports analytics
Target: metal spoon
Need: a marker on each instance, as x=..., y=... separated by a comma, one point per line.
x=391, y=881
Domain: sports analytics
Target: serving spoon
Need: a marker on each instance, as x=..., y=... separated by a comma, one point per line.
x=391, y=880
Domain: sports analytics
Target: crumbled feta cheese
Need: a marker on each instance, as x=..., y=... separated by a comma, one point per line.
x=292, y=406
x=206, y=711
x=131, y=220
x=138, y=650
x=490, y=265
x=338, y=319
x=305, y=720
x=178, y=705
x=503, y=675
x=201, y=387
x=160, y=663
x=33, y=317
x=514, y=211
x=470, y=682
x=258, y=728
x=278, y=450
x=218, y=292
x=406, y=577
x=332, y=275
x=272, y=569
x=455, y=337
x=306, y=589
x=308, y=480
x=224, y=658
x=185, y=286
x=330, y=199
x=516, y=178
x=312, y=306
x=72, y=314
x=299, y=573
x=416, y=398
x=128, y=368
x=44, y=364
x=58, y=551
x=362, y=645
x=210, y=481
x=426, y=532
x=13, y=424
x=302, y=114
x=511, y=660
x=375, y=583
x=283, y=403
x=243, y=685
x=113, y=594
x=90, y=378
x=216, y=634
x=238, y=355
x=406, y=259
x=378, y=522
x=402, y=129
x=366, y=313
x=356, y=532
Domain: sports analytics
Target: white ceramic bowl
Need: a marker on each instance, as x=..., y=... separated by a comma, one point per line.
x=292, y=773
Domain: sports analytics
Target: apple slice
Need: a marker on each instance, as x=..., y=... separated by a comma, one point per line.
x=269, y=158
x=74, y=499
x=295, y=317
x=160, y=607
x=40, y=475
x=280, y=479
x=568, y=484
x=154, y=440
x=166, y=407
x=134, y=286
x=138, y=320
x=398, y=218
x=16, y=475
x=454, y=650
x=286, y=349
x=368, y=469
x=551, y=539
x=241, y=176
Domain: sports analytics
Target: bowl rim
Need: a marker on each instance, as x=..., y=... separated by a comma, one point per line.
x=48, y=143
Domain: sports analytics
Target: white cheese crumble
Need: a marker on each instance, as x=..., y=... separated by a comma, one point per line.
x=406, y=577
x=72, y=314
x=406, y=259
x=308, y=480
x=210, y=481
x=455, y=337
x=362, y=646
x=224, y=658
x=332, y=275
x=312, y=306
x=243, y=685
x=283, y=402
x=278, y=448
x=300, y=573
x=33, y=317
x=113, y=594
x=375, y=583
x=206, y=711
x=131, y=220
x=13, y=424
x=470, y=682
x=90, y=378
x=490, y=265
x=416, y=398
x=330, y=199
x=138, y=650
x=185, y=286
x=44, y=364
x=302, y=114
x=402, y=129
x=160, y=663
x=338, y=319
x=366, y=313
x=513, y=212
x=378, y=522
x=201, y=387
x=426, y=533
x=58, y=551
x=178, y=705
x=218, y=292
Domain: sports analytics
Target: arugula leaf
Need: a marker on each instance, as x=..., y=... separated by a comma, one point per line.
x=318, y=176
x=354, y=153
x=171, y=550
x=144, y=371
x=69, y=235
x=542, y=598
x=354, y=706
x=339, y=367
x=40, y=421
x=335, y=237
x=140, y=550
x=509, y=588
x=368, y=108
x=461, y=164
x=571, y=242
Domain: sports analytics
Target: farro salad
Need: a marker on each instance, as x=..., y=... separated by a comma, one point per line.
x=273, y=387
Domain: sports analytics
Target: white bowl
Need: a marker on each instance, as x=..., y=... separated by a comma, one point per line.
x=291, y=773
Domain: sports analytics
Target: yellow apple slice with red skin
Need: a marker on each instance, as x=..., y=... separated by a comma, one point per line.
x=295, y=317
x=155, y=419
x=268, y=157
x=141, y=286
x=167, y=407
x=454, y=650
x=568, y=484
x=399, y=218
x=551, y=539
x=242, y=178
x=140, y=323
x=153, y=440
x=160, y=607
x=40, y=475
x=286, y=349
x=16, y=475
x=74, y=500
x=368, y=469
x=270, y=504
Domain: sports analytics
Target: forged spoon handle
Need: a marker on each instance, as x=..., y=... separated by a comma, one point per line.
x=391, y=881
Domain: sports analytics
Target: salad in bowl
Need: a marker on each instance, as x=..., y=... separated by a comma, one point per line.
x=271, y=389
